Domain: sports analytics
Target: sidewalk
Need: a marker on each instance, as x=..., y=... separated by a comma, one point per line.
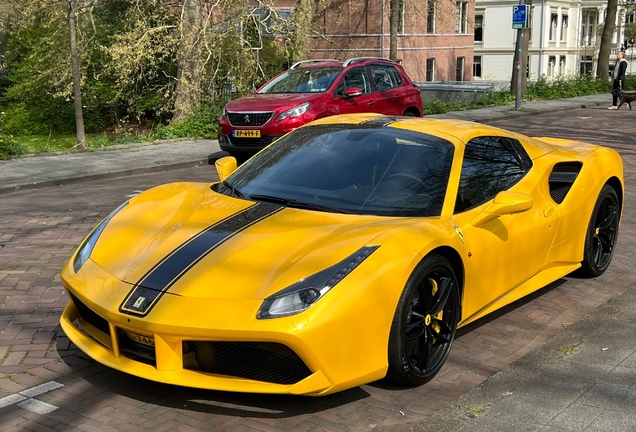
x=56, y=169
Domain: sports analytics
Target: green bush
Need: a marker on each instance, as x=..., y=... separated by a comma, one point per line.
x=561, y=87
x=202, y=123
x=10, y=148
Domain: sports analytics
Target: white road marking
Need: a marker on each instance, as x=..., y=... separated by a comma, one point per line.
x=11, y=400
x=25, y=400
x=42, y=388
x=37, y=406
x=585, y=118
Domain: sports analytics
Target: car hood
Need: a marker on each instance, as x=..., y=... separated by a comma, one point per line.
x=191, y=241
x=270, y=101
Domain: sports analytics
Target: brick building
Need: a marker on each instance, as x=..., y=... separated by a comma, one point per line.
x=435, y=38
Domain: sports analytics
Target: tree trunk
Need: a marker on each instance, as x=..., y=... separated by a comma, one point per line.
x=188, y=90
x=77, y=78
x=524, y=59
x=602, y=67
x=303, y=17
x=394, y=22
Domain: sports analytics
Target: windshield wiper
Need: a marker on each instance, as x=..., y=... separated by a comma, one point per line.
x=234, y=190
x=289, y=202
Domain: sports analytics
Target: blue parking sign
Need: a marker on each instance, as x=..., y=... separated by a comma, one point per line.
x=520, y=16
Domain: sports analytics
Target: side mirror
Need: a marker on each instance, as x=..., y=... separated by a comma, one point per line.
x=225, y=166
x=504, y=203
x=353, y=92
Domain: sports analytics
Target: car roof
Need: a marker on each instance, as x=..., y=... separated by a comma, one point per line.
x=320, y=63
x=456, y=131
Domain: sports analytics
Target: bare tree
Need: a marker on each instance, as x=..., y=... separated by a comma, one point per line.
x=394, y=23
x=602, y=68
x=303, y=16
x=188, y=88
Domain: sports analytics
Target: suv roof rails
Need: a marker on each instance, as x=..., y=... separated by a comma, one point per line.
x=359, y=59
x=295, y=65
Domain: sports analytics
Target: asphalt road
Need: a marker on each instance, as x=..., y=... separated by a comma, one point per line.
x=40, y=228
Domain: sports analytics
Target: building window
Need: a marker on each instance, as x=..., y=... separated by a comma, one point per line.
x=479, y=28
x=553, y=26
x=430, y=17
x=401, y=17
x=459, y=72
x=586, y=66
x=477, y=67
x=430, y=69
x=273, y=22
x=461, y=17
x=562, y=66
x=588, y=27
x=564, y=27
x=551, y=64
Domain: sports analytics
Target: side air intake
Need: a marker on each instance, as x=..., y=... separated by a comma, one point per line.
x=562, y=178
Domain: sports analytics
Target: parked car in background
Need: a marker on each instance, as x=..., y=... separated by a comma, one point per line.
x=313, y=89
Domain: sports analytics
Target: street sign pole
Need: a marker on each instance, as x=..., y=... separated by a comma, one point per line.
x=519, y=59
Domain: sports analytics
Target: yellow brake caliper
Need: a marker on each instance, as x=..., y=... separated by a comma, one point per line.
x=429, y=320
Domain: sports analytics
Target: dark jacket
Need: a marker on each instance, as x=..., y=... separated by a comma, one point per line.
x=619, y=74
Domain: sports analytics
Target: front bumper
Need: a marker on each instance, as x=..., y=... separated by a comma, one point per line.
x=218, y=344
x=245, y=145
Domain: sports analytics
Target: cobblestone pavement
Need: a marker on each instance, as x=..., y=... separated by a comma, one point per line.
x=40, y=228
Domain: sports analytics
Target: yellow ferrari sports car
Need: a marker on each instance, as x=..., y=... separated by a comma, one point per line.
x=349, y=250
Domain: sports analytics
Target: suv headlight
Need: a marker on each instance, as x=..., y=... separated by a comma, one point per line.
x=85, y=250
x=295, y=111
x=304, y=293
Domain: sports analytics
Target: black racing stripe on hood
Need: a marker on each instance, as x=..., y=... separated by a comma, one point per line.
x=151, y=287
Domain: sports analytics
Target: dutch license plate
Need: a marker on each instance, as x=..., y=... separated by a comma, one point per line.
x=246, y=133
x=145, y=340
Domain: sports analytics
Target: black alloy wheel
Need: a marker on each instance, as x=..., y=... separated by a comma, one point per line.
x=424, y=324
x=602, y=233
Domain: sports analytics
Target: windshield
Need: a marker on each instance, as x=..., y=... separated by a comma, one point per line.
x=306, y=80
x=359, y=169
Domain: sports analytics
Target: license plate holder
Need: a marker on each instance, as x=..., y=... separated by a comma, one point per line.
x=142, y=339
x=246, y=133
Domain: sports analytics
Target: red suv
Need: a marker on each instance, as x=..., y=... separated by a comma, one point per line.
x=313, y=89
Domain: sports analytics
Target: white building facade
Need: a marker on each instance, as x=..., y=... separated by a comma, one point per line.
x=564, y=38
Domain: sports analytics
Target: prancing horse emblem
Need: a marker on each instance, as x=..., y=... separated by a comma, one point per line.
x=247, y=118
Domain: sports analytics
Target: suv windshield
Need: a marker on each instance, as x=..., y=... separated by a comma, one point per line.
x=359, y=169
x=304, y=80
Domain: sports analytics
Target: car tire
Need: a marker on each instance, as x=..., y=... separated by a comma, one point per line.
x=602, y=233
x=409, y=114
x=424, y=323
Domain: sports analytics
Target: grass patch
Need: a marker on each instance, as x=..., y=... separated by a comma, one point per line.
x=568, y=349
x=10, y=147
x=473, y=412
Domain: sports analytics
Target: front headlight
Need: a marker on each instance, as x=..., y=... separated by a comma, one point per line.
x=295, y=111
x=304, y=293
x=86, y=248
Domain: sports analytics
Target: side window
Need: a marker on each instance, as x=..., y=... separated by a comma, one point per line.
x=383, y=77
x=491, y=164
x=354, y=78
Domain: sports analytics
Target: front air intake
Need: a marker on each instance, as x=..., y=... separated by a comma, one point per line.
x=260, y=361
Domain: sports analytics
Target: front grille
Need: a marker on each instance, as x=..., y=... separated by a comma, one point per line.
x=249, y=118
x=252, y=142
x=140, y=352
x=89, y=316
x=260, y=361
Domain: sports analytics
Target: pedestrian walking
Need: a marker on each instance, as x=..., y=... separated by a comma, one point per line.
x=619, y=78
